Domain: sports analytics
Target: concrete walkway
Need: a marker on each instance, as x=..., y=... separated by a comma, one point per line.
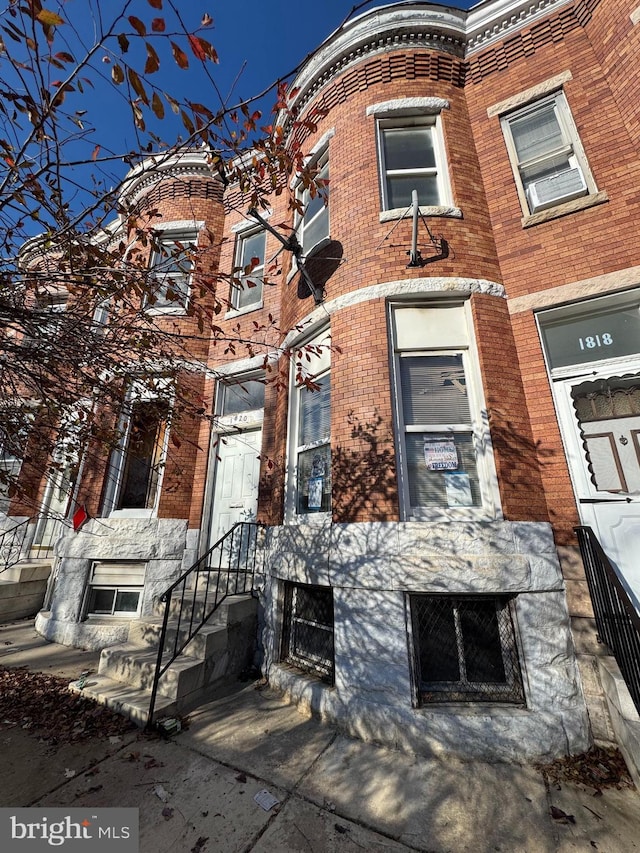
x=333, y=793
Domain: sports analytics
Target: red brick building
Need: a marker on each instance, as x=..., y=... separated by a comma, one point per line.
x=475, y=363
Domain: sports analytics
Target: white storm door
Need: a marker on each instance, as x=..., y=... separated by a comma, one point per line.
x=604, y=451
x=235, y=495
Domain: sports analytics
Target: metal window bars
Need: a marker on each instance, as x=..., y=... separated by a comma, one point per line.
x=465, y=649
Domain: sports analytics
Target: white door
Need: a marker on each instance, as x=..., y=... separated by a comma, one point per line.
x=604, y=451
x=235, y=496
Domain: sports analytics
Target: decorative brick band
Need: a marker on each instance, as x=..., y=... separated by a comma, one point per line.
x=551, y=30
x=173, y=188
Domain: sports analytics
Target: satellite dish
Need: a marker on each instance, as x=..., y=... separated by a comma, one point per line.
x=317, y=267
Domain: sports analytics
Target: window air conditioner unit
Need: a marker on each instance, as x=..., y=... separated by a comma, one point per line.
x=555, y=189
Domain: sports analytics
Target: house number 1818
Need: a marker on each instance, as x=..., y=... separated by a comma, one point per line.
x=595, y=341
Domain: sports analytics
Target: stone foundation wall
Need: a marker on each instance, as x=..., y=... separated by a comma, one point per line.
x=372, y=568
x=164, y=545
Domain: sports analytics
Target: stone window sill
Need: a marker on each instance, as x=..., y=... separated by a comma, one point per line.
x=433, y=210
x=564, y=209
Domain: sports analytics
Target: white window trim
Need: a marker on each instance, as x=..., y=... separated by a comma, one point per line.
x=320, y=369
x=249, y=230
x=412, y=118
x=490, y=507
x=115, y=469
x=185, y=231
x=529, y=104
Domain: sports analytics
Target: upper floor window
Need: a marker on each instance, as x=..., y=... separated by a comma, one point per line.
x=250, y=251
x=313, y=225
x=548, y=162
x=171, y=265
x=411, y=158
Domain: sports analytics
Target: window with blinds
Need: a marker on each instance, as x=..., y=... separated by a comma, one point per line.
x=314, y=446
x=438, y=425
x=115, y=589
x=546, y=155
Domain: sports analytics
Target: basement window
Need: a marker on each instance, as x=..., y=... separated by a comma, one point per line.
x=307, y=641
x=465, y=650
x=115, y=589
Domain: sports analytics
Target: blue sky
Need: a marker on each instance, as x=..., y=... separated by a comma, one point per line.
x=257, y=41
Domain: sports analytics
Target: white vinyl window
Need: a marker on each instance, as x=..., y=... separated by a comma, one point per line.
x=115, y=589
x=412, y=157
x=310, y=430
x=546, y=156
x=443, y=445
x=170, y=265
x=313, y=224
x=250, y=251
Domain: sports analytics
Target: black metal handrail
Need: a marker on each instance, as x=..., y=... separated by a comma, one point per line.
x=238, y=549
x=11, y=542
x=617, y=619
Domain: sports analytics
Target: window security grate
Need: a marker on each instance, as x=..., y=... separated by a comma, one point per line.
x=465, y=650
x=308, y=629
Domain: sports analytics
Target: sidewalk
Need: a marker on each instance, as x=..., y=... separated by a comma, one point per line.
x=195, y=792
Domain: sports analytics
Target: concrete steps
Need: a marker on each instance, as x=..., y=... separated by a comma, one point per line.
x=22, y=589
x=224, y=647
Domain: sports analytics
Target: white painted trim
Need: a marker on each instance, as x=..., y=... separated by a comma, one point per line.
x=408, y=107
x=432, y=210
x=577, y=291
x=531, y=94
x=490, y=508
x=179, y=225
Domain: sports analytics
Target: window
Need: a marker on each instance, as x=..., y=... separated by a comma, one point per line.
x=240, y=397
x=439, y=424
x=547, y=159
x=313, y=225
x=309, y=471
x=313, y=451
x=464, y=650
x=170, y=264
x=143, y=456
x=250, y=249
x=307, y=640
x=411, y=154
x=15, y=424
x=115, y=589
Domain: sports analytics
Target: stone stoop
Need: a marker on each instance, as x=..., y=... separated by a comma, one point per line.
x=224, y=647
x=22, y=589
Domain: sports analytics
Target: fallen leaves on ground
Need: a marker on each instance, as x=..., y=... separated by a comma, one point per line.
x=44, y=705
x=600, y=767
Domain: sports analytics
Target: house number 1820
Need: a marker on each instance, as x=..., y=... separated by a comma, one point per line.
x=595, y=341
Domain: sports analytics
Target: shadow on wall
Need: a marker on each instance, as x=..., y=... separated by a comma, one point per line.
x=364, y=483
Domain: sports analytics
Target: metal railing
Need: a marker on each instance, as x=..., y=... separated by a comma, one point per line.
x=617, y=619
x=11, y=542
x=228, y=568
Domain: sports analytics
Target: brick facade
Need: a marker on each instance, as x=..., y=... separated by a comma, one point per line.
x=503, y=266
